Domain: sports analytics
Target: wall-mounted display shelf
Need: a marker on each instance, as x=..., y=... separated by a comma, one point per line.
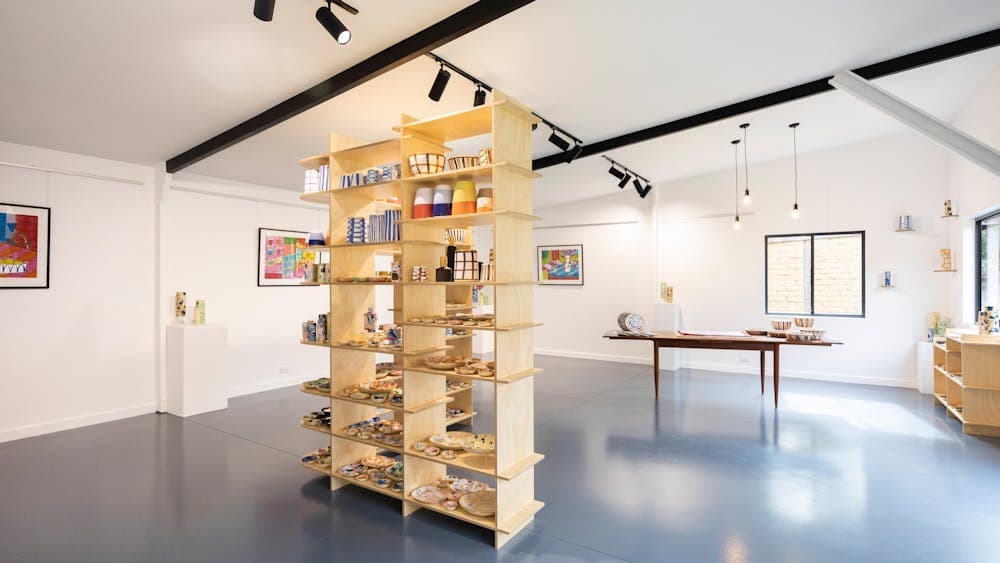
x=432, y=400
x=955, y=216
x=952, y=270
x=967, y=381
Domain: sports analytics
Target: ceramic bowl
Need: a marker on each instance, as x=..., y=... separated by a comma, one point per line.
x=463, y=161
x=781, y=325
x=419, y=446
x=480, y=444
x=432, y=450
x=379, y=397
x=448, y=454
x=426, y=163
x=815, y=333
x=449, y=505
x=397, y=487
x=442, y=362
x=308, y=459
x=804, y=322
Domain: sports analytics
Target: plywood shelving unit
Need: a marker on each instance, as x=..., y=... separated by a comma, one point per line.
x=426, y=397
x=967, y=381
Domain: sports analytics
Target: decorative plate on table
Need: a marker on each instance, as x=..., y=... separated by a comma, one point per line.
x=465, y=486
x=450, y=440
x=480, y=503
x=377, y=461
x=429, y=495
x=351, y=469
x=480, y=444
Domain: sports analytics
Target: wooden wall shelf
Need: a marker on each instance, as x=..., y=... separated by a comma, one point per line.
x=505, y=126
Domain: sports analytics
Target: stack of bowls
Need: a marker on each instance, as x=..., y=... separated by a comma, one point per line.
x=442, y=200
x=464, y=200
x=423, y=202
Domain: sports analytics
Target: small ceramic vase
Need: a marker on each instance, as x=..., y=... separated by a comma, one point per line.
x=423, y=202
x=484, y=201
x=464, y=200
x=443, y=194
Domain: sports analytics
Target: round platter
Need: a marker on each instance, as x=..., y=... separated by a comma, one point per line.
x=479, y=444
x=377, y=461
x=429, y=494
x=466, y=486
x=480, y=503
x=450, y=440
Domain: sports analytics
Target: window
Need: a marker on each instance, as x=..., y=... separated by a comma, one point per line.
x=988, y=265
x=815, y=274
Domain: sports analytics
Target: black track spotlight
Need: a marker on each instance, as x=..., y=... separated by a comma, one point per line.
x=574, y=152
x=558, y=141
x=534, y=126
x=614, y=171
x=624, y=181
x=440, y=83
x=263, y=10
x=643, y=192
x=479, y=98
x=333, y=25
x=638, y=185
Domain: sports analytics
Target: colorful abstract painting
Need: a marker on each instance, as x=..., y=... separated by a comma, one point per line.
x=560, y=265
x=24, y=246
x=282, y=257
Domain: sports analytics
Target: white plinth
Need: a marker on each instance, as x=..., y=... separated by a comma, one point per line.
x=925, y=367
x=668, y=317
x=196, y=369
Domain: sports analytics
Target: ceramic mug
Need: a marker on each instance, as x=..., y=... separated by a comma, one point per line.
x=464, y=200
x=443, y=205
x=423, y=202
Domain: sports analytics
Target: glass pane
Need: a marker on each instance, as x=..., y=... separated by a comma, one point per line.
x=838, y=275
x=990, y=261
x=788, y=275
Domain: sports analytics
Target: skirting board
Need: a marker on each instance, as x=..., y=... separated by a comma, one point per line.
x=733, y=368
x=75, y=422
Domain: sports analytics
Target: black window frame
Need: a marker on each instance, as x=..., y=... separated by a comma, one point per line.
x=812, y=270
x=979, y=258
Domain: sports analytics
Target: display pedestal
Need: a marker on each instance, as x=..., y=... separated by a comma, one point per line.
x=925, y=367
x=668, y=317
x=196, y=369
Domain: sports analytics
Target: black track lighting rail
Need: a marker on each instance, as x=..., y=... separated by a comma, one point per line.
x=938, y=53
x=454, y=26
x=626, y=169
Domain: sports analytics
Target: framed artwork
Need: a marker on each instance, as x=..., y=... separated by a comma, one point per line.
x=282, y=257
x=24, y=246
x=560, y=265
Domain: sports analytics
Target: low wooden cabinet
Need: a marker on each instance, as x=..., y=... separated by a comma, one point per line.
x=967, y=381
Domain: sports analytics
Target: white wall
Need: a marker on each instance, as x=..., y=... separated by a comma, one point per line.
x=618, y=267
x=974, y=192
x=209, y=250
x=82, y=351
x=718, y=272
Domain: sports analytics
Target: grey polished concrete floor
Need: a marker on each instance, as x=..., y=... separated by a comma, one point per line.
x=709, y=473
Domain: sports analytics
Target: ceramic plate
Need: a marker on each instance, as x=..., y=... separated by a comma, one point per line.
x=480, y=503
x=377, y=461
x=465, y=486
x=429, y=495
x=450, y=440
x=351, y=469
x=479, y=444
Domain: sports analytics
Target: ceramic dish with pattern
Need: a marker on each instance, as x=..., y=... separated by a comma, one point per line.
x=480, y=444
x=816, y=333
x=397, y=487
x=804, y=322
x=443, y=362
x=450, y=440
x=377, y=461
x=465, y=486
x=395, y=471
x=781, y=325
x=351, y=469
x=429, y=494
x=480, y=503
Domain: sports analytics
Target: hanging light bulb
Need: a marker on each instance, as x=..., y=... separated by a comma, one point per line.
x=747, y=200
x=736, y=168
x=795, y=157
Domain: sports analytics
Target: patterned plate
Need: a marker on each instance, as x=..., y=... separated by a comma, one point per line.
x=429, y=495
x=450, y=440
x=351, y=469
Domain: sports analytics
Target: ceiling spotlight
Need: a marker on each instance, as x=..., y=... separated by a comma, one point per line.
x=624, y=181
x=333, y=25
x=573, y=153
x=263, y=10
x=479, y=98
x=644, y=191
x=558, y=141
x=638, y=184
x=440, y=82
x=614, y=171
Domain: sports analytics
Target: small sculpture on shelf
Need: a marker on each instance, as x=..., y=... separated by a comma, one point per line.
x=371, y=320
x=199, y=312
x=888, y=279
x=904, y=223
x=419, y=274
x=946, y=265
x=948, y=211
x=180, y=307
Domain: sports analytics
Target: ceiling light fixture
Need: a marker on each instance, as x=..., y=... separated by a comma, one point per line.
x=736, y=168
x=644, y=191
x=747, y=200
x=333, y=25
x=624, y=182
x=440, y=83
x=795, y=156
x=574, y=152
x=263, y=10
x=558, y=141
x=614, y=171
x=479, y=98
x=625, y=175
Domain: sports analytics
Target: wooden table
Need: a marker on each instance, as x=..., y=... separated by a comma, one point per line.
x=673, y=339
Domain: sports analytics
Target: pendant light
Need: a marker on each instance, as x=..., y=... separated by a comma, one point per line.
x=795, y=156
x=747, y=200
x=736, y=168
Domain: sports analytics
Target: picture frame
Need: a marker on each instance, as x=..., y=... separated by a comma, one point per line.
x=560, y=264
x=281, y=257
x=25, y=232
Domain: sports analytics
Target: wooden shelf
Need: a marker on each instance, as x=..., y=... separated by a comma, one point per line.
x=372, y=154
x=367, y=485
x=376, y=350
x=906, y=230
x=967, y=381
x=482, y=464
x=379, y=190
x=460, y=418
x=504, y=328
x=316, y=468
x=452, y=126
x=314, y=392
x=945, y=270
x=479, y=174
x=451, y=337
x=470, y=219
x=457, y=391
x=351, y=283
x=322, y=428
x=367, y=402
x=369, y=442
x=470, y=283
x=949, y=216
x=429, y=404
x=313, y=162
x=523, y=516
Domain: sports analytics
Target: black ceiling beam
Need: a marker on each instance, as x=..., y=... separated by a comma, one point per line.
x=910, y=61
x=454, y=26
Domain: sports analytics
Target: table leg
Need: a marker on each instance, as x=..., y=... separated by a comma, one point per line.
x=776, y=374
x=762, y=363
x=656, y=369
